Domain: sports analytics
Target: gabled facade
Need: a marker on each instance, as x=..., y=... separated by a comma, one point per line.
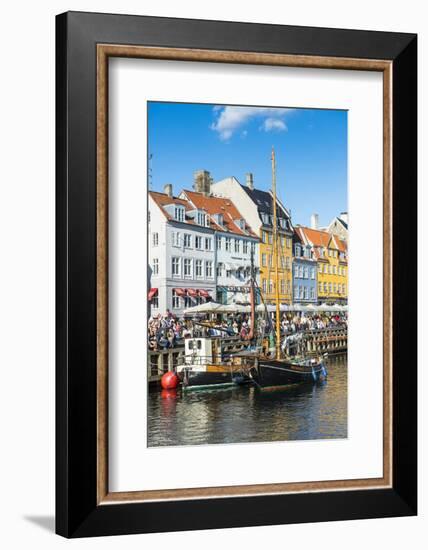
x=330, y=252
x=256, y=207
x=234, y=243
x=181, y=252
x=339, y=226
x=305, y=281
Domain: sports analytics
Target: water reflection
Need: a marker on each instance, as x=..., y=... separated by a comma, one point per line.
x=243, y=414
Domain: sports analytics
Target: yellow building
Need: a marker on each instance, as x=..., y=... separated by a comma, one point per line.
x=267, y=267
x=332, y=264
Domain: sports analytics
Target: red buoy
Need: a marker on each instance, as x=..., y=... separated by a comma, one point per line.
x=169, y=381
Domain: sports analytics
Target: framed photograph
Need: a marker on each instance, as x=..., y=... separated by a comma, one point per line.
x=236, y=274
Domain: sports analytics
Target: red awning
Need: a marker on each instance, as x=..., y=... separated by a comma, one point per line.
x=180, y=291
x=204, y=293
x=152, y=292
x=192, y=292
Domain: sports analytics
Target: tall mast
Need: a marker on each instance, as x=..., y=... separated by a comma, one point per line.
x=275, y=258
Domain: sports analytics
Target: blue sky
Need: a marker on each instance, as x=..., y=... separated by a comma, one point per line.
x=310, y=147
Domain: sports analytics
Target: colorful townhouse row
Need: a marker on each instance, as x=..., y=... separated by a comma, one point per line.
x=202, y=243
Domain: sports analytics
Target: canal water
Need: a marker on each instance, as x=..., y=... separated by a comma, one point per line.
x=242, y=414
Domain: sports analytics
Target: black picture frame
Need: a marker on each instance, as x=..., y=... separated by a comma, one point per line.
x=77, y=511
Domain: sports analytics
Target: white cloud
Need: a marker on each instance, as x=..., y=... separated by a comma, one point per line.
x=229, y=119
x=274, y=125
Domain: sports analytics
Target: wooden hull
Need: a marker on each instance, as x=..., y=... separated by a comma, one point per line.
x=273, y=374
x=197, y=379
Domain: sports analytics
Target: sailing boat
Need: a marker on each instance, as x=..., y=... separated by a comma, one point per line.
x=277, y=372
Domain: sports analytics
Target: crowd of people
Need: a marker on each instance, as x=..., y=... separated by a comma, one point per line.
x=167, y=331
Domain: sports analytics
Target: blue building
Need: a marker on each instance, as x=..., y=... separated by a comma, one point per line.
x=305, y=287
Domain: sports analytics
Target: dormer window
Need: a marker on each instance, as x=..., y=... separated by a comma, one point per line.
x=219, y=219
x=282, y=223
x=297, y=250
x=265, y=219
x=240, y=223
x=201, y=218
x=179, y=213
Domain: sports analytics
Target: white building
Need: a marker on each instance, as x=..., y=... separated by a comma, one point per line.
x=235, y=242
x=181, y=254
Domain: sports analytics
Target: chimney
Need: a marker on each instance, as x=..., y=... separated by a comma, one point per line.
x=250, y=180
x=344, y=216
x=202, y=182
x=167, y=189
x=314, y=221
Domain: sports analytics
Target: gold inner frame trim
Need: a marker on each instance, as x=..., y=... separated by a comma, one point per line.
x=104, y=52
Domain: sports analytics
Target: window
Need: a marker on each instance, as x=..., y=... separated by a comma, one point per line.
x=306, y=292
x=228, y=273
x=288, y=263
x=296, y=292
x=265, y=218
x=220, y=270
x=202, y=218
x=253, y=248
x=270, y=238
x=325, y=268
x=175, y=238
x=297, y=250
x=218, y=241
x=288, y=287
x=301, y=272
x=155, y=302
x=237, y=246
x=209, y=269
x=312, y=293
x=306, y=273
x=329, y=288
x=175, y=267
x=325, y=288
x=296, y=270
x=282, y=286
x=198, y=268
x=301, y=292
x=155, y=239
x=320, y=288
x=228, y=244
x=155, y=266
x=334, y=288
x=264, y=260
x=187, y=240
x=282, y=262
x=198, y=243
x=245, y=247
x=288, y=242
x=175, y=300
x=187, y=267
x=271, y=286
x=334, y=270
x=282, y=241
x=320, y=268
x=207, y=243
x=264, y=285
x=187, y=301
x=179, y=213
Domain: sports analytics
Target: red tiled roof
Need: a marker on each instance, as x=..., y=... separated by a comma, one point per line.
x=162, y=199
x=319, y=239
x=219, y=205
